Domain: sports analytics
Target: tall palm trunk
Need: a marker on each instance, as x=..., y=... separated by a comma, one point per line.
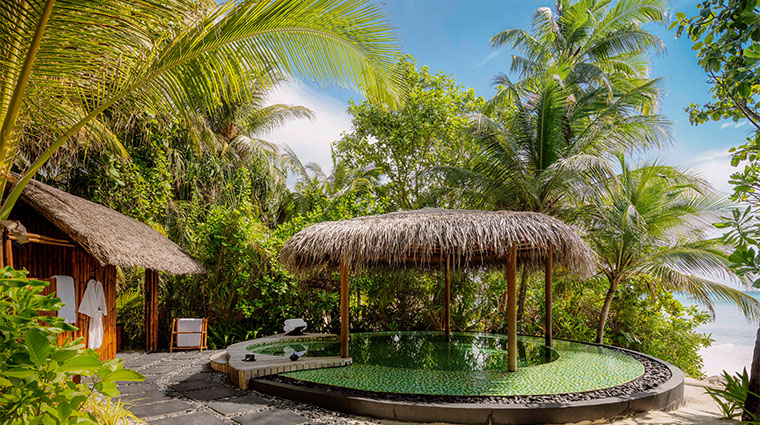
x=606, y=310
x=752, y=404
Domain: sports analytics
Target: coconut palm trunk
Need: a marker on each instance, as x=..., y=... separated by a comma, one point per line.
x=604, y=314
x=752, y=403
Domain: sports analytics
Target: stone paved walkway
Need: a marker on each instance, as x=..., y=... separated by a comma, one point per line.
x=181, y=389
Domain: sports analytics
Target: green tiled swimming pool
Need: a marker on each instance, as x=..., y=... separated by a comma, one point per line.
x=471, y=364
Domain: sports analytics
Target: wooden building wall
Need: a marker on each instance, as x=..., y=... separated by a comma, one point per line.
x=44, y=261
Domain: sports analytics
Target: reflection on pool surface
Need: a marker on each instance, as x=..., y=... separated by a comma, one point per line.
x=422, y=350
x=472, y=365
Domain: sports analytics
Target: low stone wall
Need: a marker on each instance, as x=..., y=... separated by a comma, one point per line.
x=241, y=373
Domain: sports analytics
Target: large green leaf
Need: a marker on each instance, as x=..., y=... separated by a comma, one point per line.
x=38, y=345
x=84, y=363
x=123, y=375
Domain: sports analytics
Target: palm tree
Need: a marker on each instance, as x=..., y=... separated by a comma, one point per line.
x=67, y=62
x=589, y=44
x=228, y=139
x=312, y=181
x=533, y=155
x=655, y=221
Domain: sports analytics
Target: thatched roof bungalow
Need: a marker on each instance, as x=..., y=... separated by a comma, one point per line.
x=71, y=236
x=451, y=238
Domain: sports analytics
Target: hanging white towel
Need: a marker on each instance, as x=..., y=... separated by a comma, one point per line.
x=94, y=305
x=189, y=325
x=64, y=289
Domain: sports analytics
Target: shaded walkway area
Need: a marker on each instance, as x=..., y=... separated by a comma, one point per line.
x=181, y=389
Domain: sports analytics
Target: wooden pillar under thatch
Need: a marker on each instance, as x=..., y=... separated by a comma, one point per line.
x=343, y=308
x=7, y=250
x=447, y=308
x=151, y=310
x=548, y=298
x=512, y=308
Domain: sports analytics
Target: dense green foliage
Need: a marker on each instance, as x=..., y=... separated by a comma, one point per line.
x=36, y=374
x=406, y=142
x=549, y=141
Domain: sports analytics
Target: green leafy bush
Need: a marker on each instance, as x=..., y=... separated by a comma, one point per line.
x=643, y=317
x=36, y=374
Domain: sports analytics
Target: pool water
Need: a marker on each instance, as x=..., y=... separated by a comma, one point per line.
x=422, y=350
x=472, y=364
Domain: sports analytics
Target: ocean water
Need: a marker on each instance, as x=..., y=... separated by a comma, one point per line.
x=734, y=338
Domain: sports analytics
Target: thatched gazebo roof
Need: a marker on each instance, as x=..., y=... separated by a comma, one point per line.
x=109, y=236
x=428, y=236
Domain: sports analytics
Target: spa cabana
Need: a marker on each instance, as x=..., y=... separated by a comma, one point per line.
x=57, y=233
x=443, y=238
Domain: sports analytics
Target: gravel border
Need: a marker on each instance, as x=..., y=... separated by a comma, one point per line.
x=655, y=374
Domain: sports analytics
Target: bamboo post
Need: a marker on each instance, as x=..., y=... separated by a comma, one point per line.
x=447, y=308
x=512, y=308
x=548, y=298
x=151, y=310
x=343, y=308
x=7, y=249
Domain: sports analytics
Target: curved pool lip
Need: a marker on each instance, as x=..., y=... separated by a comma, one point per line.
x=665, y=396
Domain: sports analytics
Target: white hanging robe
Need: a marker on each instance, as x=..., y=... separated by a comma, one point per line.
x=94, y=305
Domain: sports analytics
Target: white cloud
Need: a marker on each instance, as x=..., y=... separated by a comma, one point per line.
x=713, y=166
x=491, y=56
x=310, y=140
x=737, y=124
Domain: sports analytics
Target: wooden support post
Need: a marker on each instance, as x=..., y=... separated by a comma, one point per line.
x=343, y=309
x=447, y=308
x=151, y=310
x=7, y=250
x=548, y=298
x=512, y=308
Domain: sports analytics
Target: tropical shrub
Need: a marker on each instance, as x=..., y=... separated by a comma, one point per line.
x=108, y=411
x=731, y=397
x=36, y=374
x=643, y=317
x=130, y=312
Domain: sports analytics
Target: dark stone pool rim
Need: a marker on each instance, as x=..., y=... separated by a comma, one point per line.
x=660, y=387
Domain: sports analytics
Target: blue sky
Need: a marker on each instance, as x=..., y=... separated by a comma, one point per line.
x=453, y=36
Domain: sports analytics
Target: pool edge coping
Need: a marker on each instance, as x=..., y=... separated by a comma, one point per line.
x=665, y=396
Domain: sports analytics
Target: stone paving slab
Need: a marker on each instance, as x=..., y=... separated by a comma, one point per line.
x=161, y=408
x=146, y=397
x=199, y=418
x=237, y=404
x=136, y=388
x=194, y=385
x=271, y=417
x=213, y=393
